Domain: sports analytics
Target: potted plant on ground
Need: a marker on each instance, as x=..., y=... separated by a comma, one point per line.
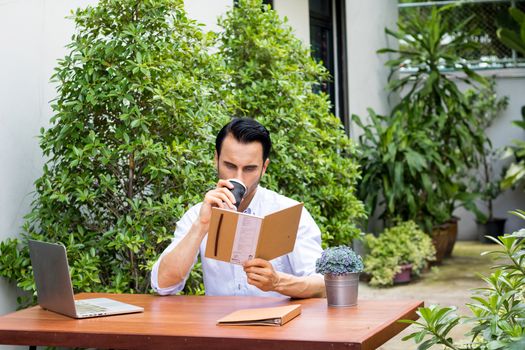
x=488, y=188
x=486, y=106
x=397, y=254
x=341, y=267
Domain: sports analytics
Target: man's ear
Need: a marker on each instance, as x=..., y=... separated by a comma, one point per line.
x=216, y=160
x=265, y=165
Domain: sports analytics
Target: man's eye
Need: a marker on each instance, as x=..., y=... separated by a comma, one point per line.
x=230, y=166
x=250, y=169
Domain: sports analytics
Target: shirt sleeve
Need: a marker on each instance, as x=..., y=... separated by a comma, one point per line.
x=307, y=246
x=182, y=228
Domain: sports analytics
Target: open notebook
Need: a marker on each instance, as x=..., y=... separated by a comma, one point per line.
x=54, y=289
x=236, y=237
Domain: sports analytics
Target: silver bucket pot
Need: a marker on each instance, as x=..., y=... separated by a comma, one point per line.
x=341, y=290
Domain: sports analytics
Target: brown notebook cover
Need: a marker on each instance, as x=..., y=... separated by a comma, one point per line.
x=236, y=237
x=267, y=316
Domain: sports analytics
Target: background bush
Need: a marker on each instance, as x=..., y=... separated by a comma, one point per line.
x=275, y=80
x=130, y=146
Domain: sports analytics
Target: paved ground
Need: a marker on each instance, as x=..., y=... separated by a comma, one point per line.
x=449, y=284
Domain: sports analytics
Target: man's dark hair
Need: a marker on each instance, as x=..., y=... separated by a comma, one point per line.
x=245, y=130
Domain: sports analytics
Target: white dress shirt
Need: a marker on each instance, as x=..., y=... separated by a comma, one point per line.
x=222, y=278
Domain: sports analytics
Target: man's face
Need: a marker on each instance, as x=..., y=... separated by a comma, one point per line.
x=243, y=161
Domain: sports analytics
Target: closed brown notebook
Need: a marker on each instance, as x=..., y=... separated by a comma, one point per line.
x=236, y=237
x=267, y=316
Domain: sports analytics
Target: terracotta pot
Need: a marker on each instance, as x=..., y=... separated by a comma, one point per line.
x=440, y=241
x=452, y=235
x=403, y=276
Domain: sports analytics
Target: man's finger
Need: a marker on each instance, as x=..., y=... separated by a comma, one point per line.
x=257, y=270
x=256, y=277
x=256, y=262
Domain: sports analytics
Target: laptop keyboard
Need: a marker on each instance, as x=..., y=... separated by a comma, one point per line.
x=83, y=307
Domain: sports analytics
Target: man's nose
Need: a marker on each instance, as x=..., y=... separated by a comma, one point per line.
x=239, y=175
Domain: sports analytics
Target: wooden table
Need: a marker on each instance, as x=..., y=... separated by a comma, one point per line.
x=189, y=322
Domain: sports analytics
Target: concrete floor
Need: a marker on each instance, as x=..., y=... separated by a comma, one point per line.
x=448, y=284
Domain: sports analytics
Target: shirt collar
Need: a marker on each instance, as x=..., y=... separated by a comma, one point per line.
x=252, y=207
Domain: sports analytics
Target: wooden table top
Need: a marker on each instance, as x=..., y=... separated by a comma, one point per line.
x=189, y=322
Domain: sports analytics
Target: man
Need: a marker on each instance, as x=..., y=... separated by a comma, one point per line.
x=242, y=148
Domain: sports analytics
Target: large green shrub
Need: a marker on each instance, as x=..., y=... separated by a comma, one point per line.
x=274, y=79
x=130, y=146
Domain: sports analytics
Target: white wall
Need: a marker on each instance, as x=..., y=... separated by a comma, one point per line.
x=207, y=11
x=298, y=14
x=32, y=37
x=367, y=74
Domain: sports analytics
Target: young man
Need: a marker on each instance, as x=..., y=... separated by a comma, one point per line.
x=242, y=148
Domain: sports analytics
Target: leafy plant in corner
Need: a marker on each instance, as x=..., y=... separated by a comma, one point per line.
x=405, y=243
x=515, y=173
x=515, y=39
x=130, y=145
x=274, y=79
x=498, y=310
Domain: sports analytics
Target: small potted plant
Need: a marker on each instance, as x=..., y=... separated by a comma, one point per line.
x=341, y=267
x=398, y=253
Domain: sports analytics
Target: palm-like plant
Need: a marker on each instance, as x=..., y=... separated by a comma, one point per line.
x=432, y=102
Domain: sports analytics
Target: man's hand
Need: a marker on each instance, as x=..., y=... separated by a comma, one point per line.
x=175, y=265
x=261, y=274
x=220, y=197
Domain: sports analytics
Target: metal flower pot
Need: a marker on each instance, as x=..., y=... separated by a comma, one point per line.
x=341, y=291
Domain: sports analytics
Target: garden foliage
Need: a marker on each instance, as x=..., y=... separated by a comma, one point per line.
x=498, y=310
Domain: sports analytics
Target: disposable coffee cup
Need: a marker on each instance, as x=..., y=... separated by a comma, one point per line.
x=238, y=190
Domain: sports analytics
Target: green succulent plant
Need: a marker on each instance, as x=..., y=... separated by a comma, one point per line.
x=339, y=261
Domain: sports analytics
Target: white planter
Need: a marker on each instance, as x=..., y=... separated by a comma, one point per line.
x=341, y=291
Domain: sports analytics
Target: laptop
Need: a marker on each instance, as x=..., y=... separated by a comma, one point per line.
x=54, y=289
